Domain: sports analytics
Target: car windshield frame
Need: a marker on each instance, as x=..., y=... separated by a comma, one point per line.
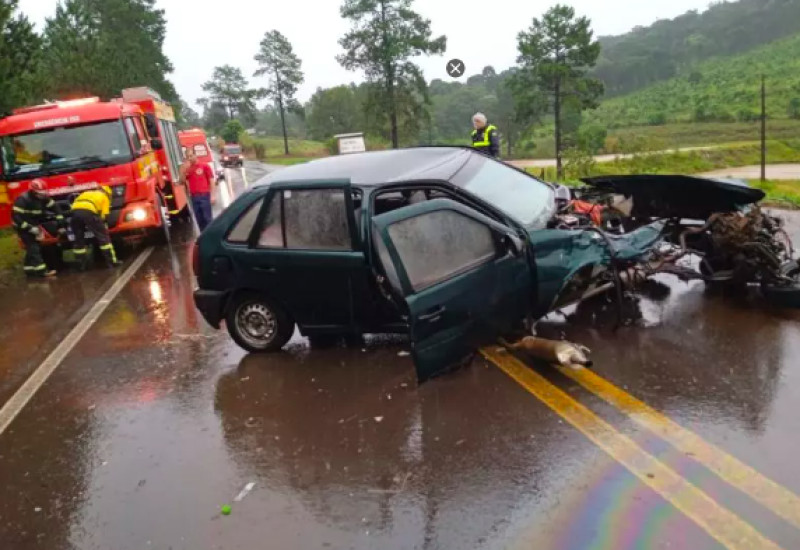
x=471, y=177
x=73, y=138
x=232, y=150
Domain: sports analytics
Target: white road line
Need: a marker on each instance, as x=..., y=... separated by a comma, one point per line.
x=23, y=395
x=244, y=178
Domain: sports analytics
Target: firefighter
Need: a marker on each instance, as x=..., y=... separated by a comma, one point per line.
x=484, y=136
x=89, y=213
x=28, y=213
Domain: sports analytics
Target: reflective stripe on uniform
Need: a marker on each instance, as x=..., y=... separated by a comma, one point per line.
x=79, y=251
x=23, y=211
x=110, y=248
x=40, y=267
x=486, y=141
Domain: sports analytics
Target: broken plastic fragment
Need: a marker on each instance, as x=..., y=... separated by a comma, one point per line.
x=243, y=493
x=378, y=419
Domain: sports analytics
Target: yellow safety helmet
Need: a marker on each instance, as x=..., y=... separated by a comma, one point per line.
x=106, y=189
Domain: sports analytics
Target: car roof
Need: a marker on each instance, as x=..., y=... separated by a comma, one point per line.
x=377, y=167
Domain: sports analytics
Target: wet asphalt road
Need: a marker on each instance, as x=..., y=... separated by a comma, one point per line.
x=154, y=421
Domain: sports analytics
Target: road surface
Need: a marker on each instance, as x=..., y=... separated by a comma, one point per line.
x=685, y=436
x=774, y=172
x=548, y=163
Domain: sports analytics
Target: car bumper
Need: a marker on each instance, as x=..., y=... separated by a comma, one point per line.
x=211, y=304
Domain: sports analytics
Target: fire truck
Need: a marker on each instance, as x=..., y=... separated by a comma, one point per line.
x=129, y=144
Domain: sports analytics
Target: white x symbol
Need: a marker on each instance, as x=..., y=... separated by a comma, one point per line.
x=456, y=68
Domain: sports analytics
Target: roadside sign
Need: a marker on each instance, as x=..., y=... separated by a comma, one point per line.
x=351, y=143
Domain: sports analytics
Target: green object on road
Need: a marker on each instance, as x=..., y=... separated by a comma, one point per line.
x=226, y=510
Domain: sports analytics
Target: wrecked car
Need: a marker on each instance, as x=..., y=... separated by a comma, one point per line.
x=715, y=230
x=443, y=243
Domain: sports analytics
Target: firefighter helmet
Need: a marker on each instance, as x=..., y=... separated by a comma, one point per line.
x=106, y=189
x=38, y=186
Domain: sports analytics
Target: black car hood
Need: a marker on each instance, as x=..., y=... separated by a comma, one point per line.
x=664, y=196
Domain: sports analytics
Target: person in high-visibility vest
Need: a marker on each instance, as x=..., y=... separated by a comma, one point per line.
x=89, y=213
x=484, y=136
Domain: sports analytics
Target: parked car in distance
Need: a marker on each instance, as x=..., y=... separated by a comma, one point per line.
x=232, y=155
x=443, y=243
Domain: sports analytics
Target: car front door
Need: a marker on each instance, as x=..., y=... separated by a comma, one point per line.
x=464, y=278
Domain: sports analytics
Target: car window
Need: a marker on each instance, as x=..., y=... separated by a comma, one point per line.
x=316, y=219
x=519, y=195
x=241, y=231
x=437, y=246
x=271, y=232
x=386, y=262
x=136, y=141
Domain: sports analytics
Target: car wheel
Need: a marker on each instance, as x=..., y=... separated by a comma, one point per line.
x=257, y=324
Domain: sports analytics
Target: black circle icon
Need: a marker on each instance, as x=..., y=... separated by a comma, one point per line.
x=455, y=68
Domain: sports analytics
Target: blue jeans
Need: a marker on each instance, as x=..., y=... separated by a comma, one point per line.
x=201, y=204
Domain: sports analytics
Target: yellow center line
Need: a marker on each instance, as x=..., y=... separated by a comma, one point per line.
x=719, y=522
x=763, y=490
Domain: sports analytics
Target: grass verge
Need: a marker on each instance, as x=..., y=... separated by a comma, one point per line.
x=10, y=256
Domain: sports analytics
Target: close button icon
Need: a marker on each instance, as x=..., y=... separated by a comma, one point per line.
x=455, y=68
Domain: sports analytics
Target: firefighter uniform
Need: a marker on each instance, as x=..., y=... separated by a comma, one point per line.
x=27, y=215
x=486, y=140
x=89, y=212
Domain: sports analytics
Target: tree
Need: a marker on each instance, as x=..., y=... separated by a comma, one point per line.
x=385, y=35
x=794, y=108
x=554, y=56
x=215, y=115
x=334, y=111
x=231, y=131
x=229, y=87
x=99, y=47
x=276, y=60
x=187, y=117
x=20, y=55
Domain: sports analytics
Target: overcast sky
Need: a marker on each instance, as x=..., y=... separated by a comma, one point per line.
x=202, y=34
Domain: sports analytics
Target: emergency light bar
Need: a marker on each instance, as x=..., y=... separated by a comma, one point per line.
x=56, y=105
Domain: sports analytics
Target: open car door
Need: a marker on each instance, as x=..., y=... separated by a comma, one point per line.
x=464, y=278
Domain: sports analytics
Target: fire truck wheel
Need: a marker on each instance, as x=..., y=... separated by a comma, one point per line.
x=160, y=235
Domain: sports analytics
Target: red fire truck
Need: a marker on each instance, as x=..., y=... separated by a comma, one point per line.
x=130, y=144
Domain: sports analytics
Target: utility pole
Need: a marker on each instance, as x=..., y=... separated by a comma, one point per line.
x=763, y=129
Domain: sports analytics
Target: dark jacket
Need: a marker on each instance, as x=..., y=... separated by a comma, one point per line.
x=486, y=140
x=29, y=212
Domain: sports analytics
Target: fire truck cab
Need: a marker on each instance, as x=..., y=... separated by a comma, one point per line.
x=82, y=144
x=196, y=140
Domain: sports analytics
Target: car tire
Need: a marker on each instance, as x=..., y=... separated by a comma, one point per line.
x=257, y=324
x=160, y=235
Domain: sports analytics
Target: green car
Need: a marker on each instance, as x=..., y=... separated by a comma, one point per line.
x=443, y=243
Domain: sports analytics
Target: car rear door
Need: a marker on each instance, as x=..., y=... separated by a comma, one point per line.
x=464, y=278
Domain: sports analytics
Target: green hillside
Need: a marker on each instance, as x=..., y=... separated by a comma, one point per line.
x=667, y=48
x=718, y=90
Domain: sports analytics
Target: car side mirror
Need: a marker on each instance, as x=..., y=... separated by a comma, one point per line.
x=156, y=144
x=514, y=244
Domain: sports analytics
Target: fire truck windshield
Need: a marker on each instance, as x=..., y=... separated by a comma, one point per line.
x=64, y=149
